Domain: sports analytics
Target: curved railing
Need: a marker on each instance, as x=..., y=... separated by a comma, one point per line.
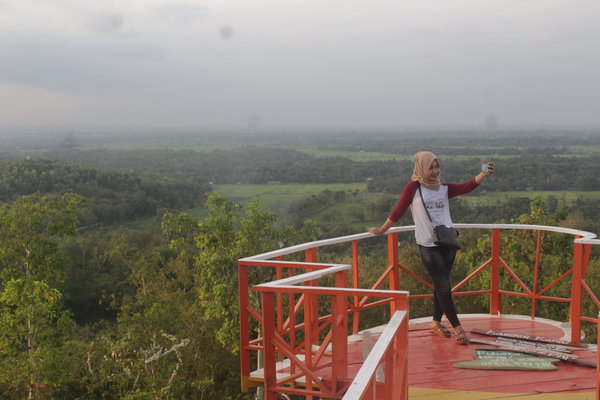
x=289, y=325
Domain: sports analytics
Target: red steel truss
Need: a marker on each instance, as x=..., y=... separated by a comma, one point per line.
x=299, y=312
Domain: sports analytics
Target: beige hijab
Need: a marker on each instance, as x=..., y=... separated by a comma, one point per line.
x=423, y=160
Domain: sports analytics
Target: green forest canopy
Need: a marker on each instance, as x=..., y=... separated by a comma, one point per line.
x=116, y=313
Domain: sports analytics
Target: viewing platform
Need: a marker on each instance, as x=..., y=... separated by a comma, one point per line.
x=433, y=376
x=300, y=333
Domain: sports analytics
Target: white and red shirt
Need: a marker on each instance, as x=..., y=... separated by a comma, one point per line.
x=437, y=205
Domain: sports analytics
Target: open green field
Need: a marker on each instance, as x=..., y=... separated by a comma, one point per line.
x=358, y=156
x=355, y=209
x=585, y=150
x=365, y=156
x=270, y=195
x=313, y=145
x=564, y=196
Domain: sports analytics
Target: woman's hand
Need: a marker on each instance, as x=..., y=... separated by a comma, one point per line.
x=490, y=168
x=482, y=175
x=380, y=231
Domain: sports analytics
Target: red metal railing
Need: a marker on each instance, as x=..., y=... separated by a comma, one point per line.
x=305, y=343
x=335, y=381
x=390, y=350
x=317, y=342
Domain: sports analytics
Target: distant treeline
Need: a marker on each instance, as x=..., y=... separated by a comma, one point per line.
x=484, y=143
x=401, y=141
x=112, y=196
x=244, y=165
x=255, y=165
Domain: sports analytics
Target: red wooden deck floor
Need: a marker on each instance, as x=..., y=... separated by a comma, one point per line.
x=432, y=375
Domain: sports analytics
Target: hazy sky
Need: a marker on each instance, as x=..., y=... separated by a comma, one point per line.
x=299, y=63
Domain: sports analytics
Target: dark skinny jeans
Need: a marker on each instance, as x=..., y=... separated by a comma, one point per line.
x=439, y=261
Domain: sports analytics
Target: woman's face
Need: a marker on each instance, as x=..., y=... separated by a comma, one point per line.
x=434, y=171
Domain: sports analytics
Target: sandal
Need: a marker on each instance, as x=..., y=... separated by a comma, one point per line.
x=460, y=336
x=440, y=330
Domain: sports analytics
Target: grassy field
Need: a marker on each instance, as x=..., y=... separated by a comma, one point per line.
x=358, y=156
x=365, y=156
x=270, y=195
x=356, y=210
x=585, y=150
x=309, y=145
x=563, y=196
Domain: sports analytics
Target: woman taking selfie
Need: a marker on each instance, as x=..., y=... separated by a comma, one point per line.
x=437, y=256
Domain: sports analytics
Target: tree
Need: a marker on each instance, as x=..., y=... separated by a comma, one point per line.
x=518, y=249
x=160, y=346
x=224, y=237
x=177, y=331
x=33, y=271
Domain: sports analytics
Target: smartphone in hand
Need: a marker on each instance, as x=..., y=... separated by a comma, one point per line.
x=487, y=167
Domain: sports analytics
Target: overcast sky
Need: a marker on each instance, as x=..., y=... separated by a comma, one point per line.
x=299, y=63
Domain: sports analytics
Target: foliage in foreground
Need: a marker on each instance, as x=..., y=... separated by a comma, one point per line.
x=166, y=307
x=175, y=334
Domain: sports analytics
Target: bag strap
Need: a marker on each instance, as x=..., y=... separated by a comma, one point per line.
x=424, y=206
